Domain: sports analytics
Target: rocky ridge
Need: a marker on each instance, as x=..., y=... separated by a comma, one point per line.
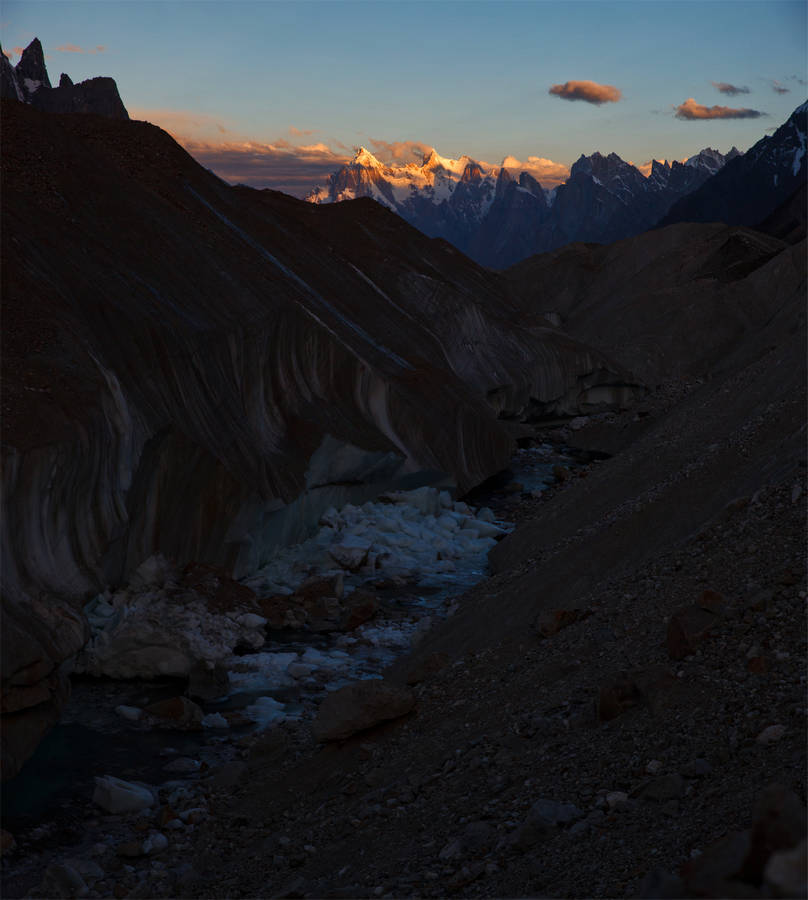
x=28, y=82
x=751, y=187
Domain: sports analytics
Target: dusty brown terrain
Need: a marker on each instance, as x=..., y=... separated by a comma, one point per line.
x=437, y=804
x=621, y=692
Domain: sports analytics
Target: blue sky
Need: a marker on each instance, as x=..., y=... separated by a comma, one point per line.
x=244, y=84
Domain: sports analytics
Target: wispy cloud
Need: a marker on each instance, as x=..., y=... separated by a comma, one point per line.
x=730, y=89
x=645, y=168
x=399, y=151
x=588, y=91
x=779, y=88
x=292, y=167
x=692, y=111
x=797, y=79
x=280, y=165
x=74, y=48
x=301, y=132
x=547, y=172
x=183, y=124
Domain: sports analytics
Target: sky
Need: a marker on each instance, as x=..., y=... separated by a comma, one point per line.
x=279, y=94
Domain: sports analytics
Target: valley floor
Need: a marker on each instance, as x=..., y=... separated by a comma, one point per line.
x=587, y=743
x=644, y=760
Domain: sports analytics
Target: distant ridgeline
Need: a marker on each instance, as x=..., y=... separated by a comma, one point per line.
x=750, y=188
x=28, y=82
x=499, y=218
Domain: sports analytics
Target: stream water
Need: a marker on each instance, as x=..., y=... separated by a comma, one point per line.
x=92, y=739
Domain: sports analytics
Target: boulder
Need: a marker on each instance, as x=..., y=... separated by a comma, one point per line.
x=358, y=608
x=117, y=796
x=359, y=706
x=350, y=553
x=688, y=628
x=176, y=712
x=551, y=621
x=168, y=624
x=223, y=593
x=63, y=881
x=737, y=863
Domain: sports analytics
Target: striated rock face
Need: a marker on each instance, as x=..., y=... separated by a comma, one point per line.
x=200, y=371
x=28, y=82
x=40, y=636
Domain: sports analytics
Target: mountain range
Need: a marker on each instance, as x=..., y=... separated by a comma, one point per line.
x=499, y=216
x=749, y=188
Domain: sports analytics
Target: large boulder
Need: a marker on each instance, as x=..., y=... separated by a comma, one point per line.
x=161, y=626
x=359, y=706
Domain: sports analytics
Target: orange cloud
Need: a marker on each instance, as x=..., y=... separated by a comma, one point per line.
x=645, y=168
x=182, y=124
x=74, y=48
x=279, y=165
x=400, y=151
x=731, y=90
x=300, y=132
x=548, y=173
x=588, y=91
x=691, y=111
x=779, y=88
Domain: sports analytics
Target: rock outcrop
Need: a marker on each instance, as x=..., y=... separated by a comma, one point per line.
x=28, y=82
x=201, y=371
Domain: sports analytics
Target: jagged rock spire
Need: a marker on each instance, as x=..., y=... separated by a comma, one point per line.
x=32, y=74
x=9, y=87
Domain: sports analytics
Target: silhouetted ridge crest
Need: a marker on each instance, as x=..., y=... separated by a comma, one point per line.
x=29, y=83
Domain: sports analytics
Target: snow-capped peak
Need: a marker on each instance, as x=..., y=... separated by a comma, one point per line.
x=708, y=159
x=434, y=161
x=365, y=158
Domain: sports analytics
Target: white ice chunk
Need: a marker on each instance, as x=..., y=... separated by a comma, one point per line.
x=266, y=711
x=117, y=796
x=215, y=720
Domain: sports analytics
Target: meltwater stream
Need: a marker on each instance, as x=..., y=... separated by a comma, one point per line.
x=417, y=552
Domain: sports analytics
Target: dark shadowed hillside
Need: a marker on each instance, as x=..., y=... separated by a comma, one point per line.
x=750, y=187
x=201, y=370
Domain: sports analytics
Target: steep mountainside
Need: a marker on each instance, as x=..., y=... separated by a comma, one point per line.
x=201, y=370
x=675, y=301
x=28, y=82
x=620, y=709
x=499, y=218
x=751, y=187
